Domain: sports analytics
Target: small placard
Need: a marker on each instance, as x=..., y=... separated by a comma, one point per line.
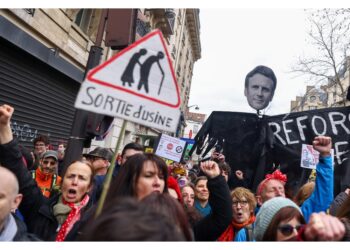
x=310, y=157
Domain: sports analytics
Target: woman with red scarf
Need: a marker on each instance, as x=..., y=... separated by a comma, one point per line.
x=243, y=205
x=50, y=219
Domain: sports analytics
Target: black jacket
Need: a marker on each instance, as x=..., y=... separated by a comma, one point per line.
x=213, y=225
x=36, y=209
x=22, y=234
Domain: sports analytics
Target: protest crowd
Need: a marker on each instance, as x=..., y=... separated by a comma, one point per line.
x=149, y=200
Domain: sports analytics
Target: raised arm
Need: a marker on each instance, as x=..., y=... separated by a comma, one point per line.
x=11, y=158
x=6, y=112
x=211, y=227
x=322, y=196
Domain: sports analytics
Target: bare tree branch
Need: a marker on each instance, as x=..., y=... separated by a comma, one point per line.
x=329, y=34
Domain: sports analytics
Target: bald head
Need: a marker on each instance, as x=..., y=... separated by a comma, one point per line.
x=9, y=196
x=8, y=180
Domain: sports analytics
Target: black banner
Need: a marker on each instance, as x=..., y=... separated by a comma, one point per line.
x=257, y=145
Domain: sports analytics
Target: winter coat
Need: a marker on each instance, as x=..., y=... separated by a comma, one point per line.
x=321, y=197
x=213, y=225
x=36, y=209
x=22, y=234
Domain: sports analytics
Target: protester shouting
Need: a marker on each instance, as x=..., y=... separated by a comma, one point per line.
x=50, y=219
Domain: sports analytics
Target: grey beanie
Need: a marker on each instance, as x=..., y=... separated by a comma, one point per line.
x=266, y=213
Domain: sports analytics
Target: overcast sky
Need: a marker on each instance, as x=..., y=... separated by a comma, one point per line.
x=233, y=42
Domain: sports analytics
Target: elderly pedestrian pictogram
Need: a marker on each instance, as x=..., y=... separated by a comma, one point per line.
x=143, y=69
x=137, y=84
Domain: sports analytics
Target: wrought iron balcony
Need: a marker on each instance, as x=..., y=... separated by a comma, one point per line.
x=30, y=11
x=164, y=20
x=142, y=28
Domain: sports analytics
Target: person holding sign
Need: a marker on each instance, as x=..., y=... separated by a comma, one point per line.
x=322, y=196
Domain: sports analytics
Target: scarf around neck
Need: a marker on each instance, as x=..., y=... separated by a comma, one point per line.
x=229, y=234
x=73, y=216
x=10, y=229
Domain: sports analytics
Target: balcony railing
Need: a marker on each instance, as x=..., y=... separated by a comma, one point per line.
x=142, y=28
x=30, y=11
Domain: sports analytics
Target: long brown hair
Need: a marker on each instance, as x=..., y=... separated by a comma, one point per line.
x=285, y=213
x=125, y=182
x=167, y=206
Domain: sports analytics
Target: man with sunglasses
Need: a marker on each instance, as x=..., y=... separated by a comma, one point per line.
x=46, y=175
x=100, y=159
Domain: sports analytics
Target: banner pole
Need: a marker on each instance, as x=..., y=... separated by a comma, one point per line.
x=108, y=179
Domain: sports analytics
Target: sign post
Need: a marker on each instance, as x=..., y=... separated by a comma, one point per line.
x=138, y=84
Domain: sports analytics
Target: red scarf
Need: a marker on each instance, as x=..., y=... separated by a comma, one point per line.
x=73, y=217
x=229, y=234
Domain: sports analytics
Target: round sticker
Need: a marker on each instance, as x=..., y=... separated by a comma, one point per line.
x=178, y=149
x=170, y=146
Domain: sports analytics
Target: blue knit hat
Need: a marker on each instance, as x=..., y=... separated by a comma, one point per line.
x=266, y=213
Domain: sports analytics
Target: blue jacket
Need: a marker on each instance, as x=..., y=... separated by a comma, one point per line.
x=322, y=196
x=320, y=199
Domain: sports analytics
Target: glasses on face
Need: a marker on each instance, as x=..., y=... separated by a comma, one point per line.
x=287, y=229
x=95, y=158
x=242, y=203
x=46, y=162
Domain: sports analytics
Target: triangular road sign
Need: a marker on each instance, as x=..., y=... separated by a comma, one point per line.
x=137, y=84
x=143, y=69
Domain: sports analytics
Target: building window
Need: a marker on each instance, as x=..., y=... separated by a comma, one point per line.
x=183, y=40
x=178, y=72
x=173, y=52
x=312, y=98
x=83, y=19
x=195, y=129
x=142, y=28
x=30, y=11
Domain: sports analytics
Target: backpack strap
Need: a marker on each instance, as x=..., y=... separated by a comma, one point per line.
x=33, y=174
x=53, y=182
x=249, y=232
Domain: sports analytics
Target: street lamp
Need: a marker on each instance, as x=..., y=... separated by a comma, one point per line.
x=195, y=105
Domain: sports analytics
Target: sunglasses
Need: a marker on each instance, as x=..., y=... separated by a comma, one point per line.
x=287, y=229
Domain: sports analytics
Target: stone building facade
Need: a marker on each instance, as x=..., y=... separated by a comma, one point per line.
x=59, y=40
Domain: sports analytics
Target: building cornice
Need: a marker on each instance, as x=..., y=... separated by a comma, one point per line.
x=193, y=24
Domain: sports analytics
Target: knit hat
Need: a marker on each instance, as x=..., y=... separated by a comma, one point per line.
x=266, y=213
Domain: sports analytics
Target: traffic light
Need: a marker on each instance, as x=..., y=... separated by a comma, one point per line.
x=96, y=125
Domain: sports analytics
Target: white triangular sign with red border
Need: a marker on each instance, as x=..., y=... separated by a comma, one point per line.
x=137, y=84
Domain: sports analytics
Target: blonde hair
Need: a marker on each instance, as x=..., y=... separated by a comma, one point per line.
x=241, y=192
x=304, y=192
